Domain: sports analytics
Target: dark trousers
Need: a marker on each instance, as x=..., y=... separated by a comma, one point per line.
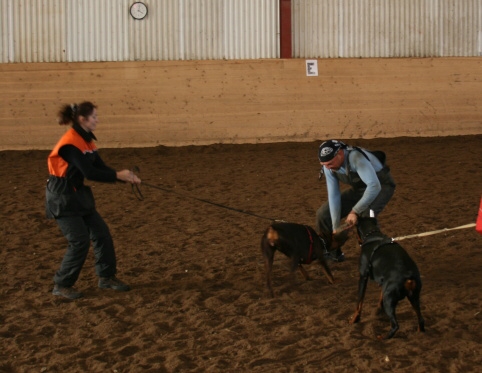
x=349, y=198
x=79, y=232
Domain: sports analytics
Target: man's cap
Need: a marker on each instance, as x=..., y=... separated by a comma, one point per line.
x=328, y=150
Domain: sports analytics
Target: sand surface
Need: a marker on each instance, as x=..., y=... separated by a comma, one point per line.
x=198, y=301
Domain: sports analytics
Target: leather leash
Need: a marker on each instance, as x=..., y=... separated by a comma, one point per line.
x=138, y=193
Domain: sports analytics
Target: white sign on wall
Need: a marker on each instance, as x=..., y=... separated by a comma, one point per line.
x=311, y=67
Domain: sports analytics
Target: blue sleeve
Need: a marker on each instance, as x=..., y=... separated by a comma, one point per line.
x=334, y=197
x=364, y=168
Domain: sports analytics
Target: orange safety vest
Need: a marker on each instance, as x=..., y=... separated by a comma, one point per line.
x=57, y=165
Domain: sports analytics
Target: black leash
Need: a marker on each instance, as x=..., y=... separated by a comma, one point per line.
x=137, y=192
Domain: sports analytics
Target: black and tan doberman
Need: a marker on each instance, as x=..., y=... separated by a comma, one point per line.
x=299, y=242
x=387, y=263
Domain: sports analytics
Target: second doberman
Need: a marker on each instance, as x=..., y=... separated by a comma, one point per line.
x=388, y=264
x=301, y=244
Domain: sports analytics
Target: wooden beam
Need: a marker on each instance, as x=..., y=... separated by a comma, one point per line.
x=285, y=29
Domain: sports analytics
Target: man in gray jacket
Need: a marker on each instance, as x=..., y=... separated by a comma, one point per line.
x=371, y=186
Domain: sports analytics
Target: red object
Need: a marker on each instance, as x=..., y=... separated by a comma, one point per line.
x=285, y=28
x=478, y=225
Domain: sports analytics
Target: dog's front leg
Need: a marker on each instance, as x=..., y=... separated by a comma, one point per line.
x=268, y=264
x=268, y=254
x=326, y=270
x=362, y=286
x=295, y=263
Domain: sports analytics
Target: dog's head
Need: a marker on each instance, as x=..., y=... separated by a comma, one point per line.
x=366, y=227
x=272, y=236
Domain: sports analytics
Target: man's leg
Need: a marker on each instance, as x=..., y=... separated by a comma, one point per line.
x=381, y=201
x=349, y=198
x=323, y=219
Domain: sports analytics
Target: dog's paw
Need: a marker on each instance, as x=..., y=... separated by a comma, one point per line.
x=355, y=318
x=380, y=311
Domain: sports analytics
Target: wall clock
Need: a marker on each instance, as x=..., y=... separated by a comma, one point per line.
x=138, y=10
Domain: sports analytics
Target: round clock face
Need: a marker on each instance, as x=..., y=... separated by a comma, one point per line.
x=138, y=10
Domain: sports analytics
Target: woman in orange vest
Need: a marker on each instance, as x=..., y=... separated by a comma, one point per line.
x=72, y=205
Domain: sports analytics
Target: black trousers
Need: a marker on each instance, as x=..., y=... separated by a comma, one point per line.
x=80, y=231
x=349, y=198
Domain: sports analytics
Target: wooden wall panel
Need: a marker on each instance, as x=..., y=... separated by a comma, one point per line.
x=178, y=103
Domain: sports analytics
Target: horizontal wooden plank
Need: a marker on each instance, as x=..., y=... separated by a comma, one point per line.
x=203, y=102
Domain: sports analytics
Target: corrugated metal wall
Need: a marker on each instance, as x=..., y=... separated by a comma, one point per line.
x=386, y=28
x=102, y=30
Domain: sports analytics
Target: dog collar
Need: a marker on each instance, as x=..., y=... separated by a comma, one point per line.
x=310, y=252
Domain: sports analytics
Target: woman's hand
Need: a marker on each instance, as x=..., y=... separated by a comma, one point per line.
x=128, y=176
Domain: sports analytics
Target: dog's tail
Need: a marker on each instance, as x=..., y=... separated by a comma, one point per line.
x=410, y=285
